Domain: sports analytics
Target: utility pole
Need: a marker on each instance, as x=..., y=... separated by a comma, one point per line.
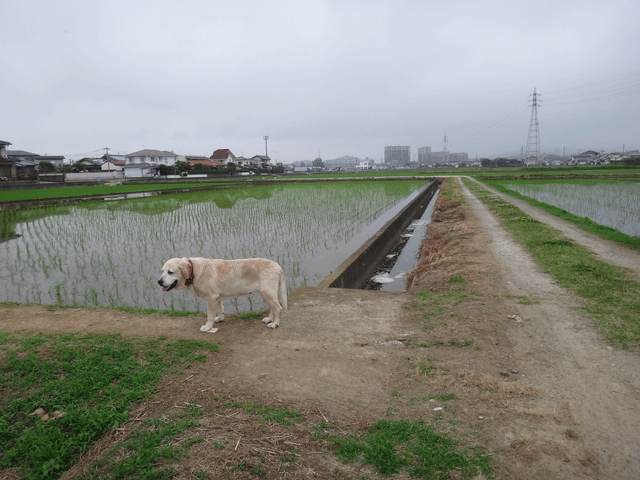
x=106, y=149
x=533, y=140
x=266, y=137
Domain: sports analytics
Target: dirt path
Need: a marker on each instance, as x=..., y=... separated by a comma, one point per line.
x=597, y=387
x=544, y=395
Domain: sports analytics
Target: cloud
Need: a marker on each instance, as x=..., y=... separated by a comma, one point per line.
x=342, y=77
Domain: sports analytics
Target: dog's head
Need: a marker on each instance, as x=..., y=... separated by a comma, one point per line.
x=174, y=274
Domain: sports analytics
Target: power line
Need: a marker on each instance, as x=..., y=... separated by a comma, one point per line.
x=498, y=125
x=623, y=85
x=83, y=154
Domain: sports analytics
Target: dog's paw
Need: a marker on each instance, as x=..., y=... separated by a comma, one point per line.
x=266, y=320
x=272, y=325
x=205, y=328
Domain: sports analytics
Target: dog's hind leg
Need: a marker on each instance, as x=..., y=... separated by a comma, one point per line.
x=273, y=320
x=215, y=313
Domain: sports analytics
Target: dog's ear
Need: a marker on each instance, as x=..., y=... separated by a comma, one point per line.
x=185, y=270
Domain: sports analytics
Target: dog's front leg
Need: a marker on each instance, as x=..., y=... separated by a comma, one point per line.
x=215, y=313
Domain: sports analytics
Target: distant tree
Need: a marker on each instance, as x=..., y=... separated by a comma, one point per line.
x=231, y=167
x=318, y=163
x=46, y=167
x=487, y=162
x=166, y=170
x=182, y=167
x=78, y=167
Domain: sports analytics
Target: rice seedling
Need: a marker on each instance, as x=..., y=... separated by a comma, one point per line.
x=110, y=253
x=616, y=205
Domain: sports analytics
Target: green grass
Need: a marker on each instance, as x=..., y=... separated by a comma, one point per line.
x=612, y=297
x=413, y=448
x=147, y=454
x=94, y=380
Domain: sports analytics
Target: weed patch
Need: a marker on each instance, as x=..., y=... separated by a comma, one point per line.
x=60, y=393
x=413, y=447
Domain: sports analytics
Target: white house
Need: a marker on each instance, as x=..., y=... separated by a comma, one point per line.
x=138, y=170
x=261, y=159
x=223, y=155
x=366, y=164
x=152, y=157
x=252, y=162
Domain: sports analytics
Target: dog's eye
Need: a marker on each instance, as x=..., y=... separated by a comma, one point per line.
x=169, y=272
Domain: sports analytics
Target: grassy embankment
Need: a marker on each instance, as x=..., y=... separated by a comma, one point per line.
x=612, y=297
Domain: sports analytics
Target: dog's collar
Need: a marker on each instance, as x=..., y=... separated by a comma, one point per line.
x=190, y=280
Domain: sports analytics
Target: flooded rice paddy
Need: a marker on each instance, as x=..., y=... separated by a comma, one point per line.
x=111, y=253
x=615, y=205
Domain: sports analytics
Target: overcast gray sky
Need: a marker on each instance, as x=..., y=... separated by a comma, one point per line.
x=318, y=76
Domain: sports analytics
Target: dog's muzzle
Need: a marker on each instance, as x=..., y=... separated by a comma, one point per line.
x=170, y=287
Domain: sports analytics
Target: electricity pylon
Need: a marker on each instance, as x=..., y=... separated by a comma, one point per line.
x=533, y=140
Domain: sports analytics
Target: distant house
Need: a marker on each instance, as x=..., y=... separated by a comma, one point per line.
x=26, y=163
x=20, y=162
x=22, y=156
x=151, y=157
x=91, y=164
x=7, y=167
x=366, y=164
x=140, y=170
x=112, y=165
x=248, y=162
x=223, y=155
x=262, y=159
x=585, y=158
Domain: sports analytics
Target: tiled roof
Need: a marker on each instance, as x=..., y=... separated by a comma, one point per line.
x=149, y=152
x=221, y=153
x=210, y=163
x=20, y=153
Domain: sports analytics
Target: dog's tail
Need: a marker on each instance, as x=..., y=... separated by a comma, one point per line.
x=282, y=291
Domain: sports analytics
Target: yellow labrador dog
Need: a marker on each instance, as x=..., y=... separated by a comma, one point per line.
x=218, y=280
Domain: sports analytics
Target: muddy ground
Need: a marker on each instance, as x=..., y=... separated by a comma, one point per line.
x=533, y=383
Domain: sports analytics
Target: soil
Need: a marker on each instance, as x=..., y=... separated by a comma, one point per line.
x=526, y=375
